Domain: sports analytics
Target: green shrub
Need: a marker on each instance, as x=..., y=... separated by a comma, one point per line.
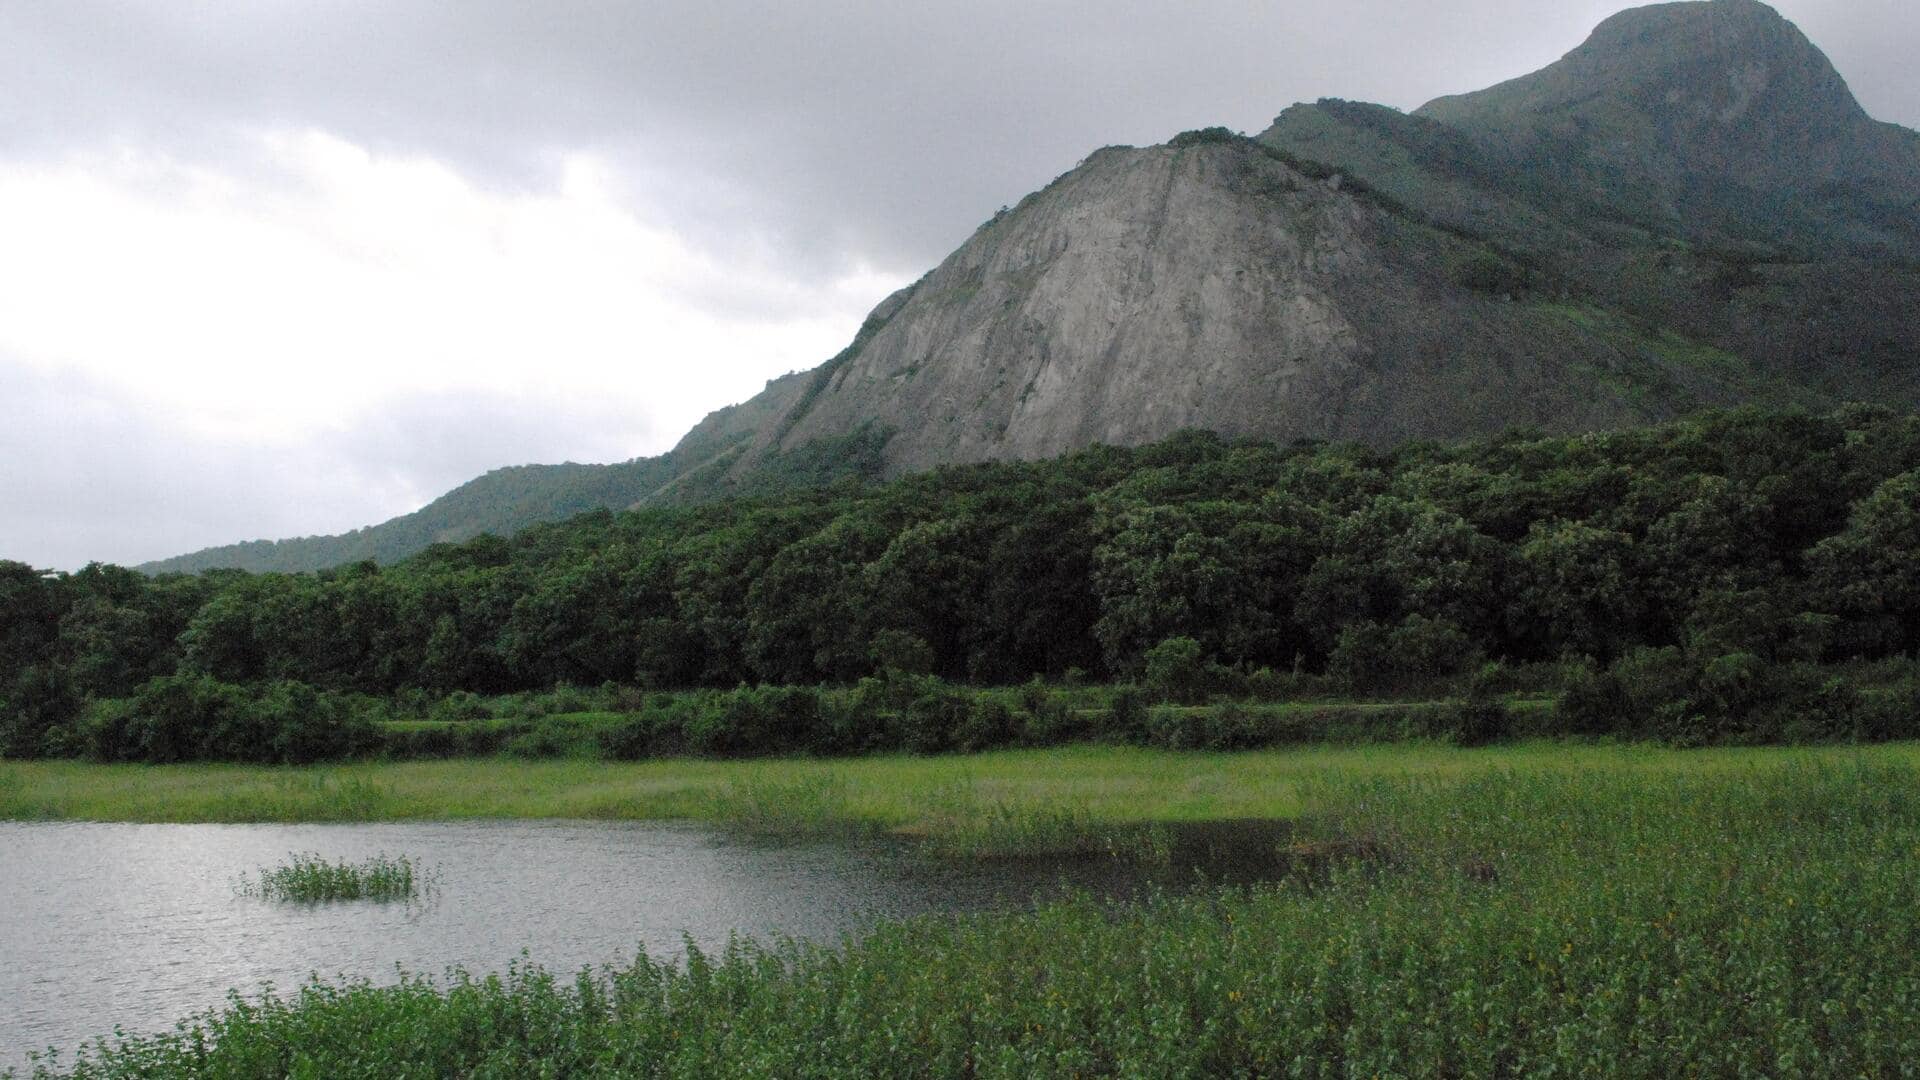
x=1127, y=715
x=930, y=722
x=1482, y=718
x=460, y=705
x=308, y=726
x=1894, y=713
x=988, y=723
x=1048, y=721
x=40, y=700
x=855, y=722
x=1176, y=671
x=310, y=879
x=574, y=736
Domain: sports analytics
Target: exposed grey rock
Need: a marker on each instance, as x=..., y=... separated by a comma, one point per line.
x=1208, y=284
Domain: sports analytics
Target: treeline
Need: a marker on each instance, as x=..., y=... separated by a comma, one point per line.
x=1734, y=542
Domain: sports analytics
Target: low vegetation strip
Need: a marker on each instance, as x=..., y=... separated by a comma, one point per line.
x=311, y=879
x=1110, y=783
x=1751, y=918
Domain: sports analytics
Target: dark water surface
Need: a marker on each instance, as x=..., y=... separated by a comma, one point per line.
x=137, y=926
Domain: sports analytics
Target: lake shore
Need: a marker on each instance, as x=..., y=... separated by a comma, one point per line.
x=1530, y=910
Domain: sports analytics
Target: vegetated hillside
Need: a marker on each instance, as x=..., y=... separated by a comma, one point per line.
x=507, y=500
x=501, y=502
x=1718, y=122
x=1688, y=211
x=1699, y=167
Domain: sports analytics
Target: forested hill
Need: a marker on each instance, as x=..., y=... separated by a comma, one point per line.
x=507, y=500
x=501, y=502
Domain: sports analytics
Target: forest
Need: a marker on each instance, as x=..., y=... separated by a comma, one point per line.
x=1722, y=577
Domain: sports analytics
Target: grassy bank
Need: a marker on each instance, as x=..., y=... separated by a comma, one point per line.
x=1105, y=783
x=1625, y=914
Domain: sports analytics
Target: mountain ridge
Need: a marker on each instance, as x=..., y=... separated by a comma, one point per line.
x=1687, y=210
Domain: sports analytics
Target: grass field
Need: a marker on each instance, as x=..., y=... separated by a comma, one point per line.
x=914, y=794
x=1531, y=911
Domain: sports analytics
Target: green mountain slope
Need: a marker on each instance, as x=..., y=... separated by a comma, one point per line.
x=1689, y=210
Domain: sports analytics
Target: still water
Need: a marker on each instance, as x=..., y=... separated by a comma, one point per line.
x=137, y=926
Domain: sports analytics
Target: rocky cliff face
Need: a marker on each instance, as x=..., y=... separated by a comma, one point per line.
x=1689, y=209
x=1210, y=283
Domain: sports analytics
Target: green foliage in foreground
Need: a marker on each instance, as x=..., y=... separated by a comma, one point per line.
x=310, y=879
x=1555, y=922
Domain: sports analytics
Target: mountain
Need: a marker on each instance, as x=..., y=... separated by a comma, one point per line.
x=1688, y=210
x=1710, y=121
x=507, y=500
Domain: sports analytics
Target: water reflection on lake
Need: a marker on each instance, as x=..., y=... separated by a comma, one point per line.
x=140, y=925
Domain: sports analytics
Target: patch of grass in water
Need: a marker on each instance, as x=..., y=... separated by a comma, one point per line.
x=957, y=822
x=311, y=879
x=766, y=803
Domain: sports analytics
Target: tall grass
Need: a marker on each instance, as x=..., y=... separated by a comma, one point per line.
x=765, y=802
x=1757, y=919
x=311, y=879
x=1114, y=784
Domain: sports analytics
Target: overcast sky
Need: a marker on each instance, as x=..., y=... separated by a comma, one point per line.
x=272, y=268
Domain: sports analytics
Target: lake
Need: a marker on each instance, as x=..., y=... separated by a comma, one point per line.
x=137, y=926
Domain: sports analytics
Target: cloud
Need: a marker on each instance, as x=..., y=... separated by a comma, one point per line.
x=810, y=134
x=269, y=307
x=93, y=473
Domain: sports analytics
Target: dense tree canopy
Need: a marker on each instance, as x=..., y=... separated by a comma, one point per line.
x=1782, y=535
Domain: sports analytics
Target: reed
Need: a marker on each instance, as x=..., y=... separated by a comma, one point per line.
x=311, y=879
x=1744, y=920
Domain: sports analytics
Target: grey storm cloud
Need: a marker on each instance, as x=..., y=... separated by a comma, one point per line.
x=811, y=134
x=93, y=474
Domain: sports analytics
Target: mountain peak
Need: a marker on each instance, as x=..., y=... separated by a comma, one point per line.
x=1695, y=68
x=1714, y=117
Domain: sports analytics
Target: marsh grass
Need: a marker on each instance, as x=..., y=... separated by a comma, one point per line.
x=767, y=804
x=1116, y=785
x=311, y=879
x=1754, y=918
x=956, y=820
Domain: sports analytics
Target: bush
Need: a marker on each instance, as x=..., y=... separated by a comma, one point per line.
x=307, y=726
x=1361, y=655
x=1889, y=714
x=1370, y=655
x=41, y=700
x=1175, y=671
x=1686, y=699
x=1420, y=646
x=1127, y=715
x=1224, y=727
x=854, y=722
x=1049, y=721
x=988, y=723
x=460, y=705
x=574, y=736
x=1482, y=718
x=928, y=724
